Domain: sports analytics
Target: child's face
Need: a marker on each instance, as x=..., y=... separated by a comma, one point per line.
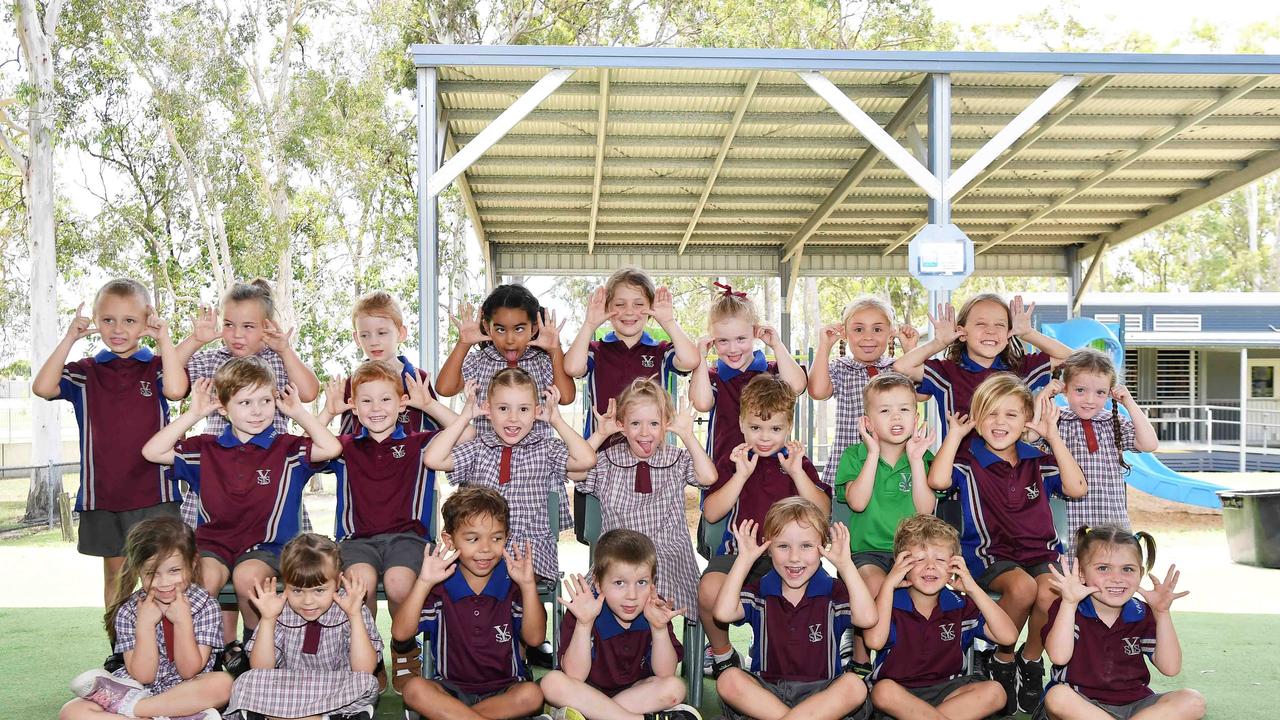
x=243, y=325
x=479, y=541
x=166, y=578
x=932, y=569
x=986, y=330
x=794, y=552
x=1115, y=570
x=251, y=410
x=378, y=405
x=312, y=602
x=643, y=428
x=121, y=321
x=626, y=589
x=510, y=330
x=512, y=410
x=1003, y=426
x=1088, y=393
x=378, y=337
x=735, y=340
x=892, y=414
x=765, y=437
x=869, y=332
x=632, y=308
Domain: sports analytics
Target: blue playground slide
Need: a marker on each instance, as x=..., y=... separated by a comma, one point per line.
x=1146, y=472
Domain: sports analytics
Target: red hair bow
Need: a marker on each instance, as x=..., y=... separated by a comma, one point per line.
x=728, y=290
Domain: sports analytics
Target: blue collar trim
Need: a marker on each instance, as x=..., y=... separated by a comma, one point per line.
x=758, y=364
x=987, y=458
x=263, y=439
x=1133, y=611
x=142, y=355
x=608, y=626
x=498, y=585
x=967, y=363
x=645, y=338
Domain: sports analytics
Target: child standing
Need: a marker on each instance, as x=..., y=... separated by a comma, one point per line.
x=1008, y=537
x=1099, y=636
x=618, y=650
x=1098, y=438
x=119, y=395
x=318, y=645
x=797, y=613
x=248, y=480
x=478, y=610
x=924, y=630
x=641, y=482
x=735, y=327
x=884, y=479
x=867, y=327
x=167, y=631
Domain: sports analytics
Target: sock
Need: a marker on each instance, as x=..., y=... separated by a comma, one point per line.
x=721, y=656
x=998, y=660
x=404, y=647
x=130, y=702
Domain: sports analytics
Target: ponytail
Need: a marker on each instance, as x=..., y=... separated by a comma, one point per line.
x=1089, y=537
x=1115, y=430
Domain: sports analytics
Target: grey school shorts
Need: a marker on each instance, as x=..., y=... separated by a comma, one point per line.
x=882, y=560
x=468, y=698
x=384, y=551
x=1119, y=712
x=102, y=532
x=935, y=695
x=794, y=692
x=1000, y=567
x=724, y=563
x=271, y=559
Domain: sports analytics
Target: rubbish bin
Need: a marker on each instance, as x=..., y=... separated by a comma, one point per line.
x=1252, y=521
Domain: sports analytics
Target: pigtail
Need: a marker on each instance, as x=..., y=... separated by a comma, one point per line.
x=1149, y=556
x=1115, y=431
x=1082, y=533
x=843, y=346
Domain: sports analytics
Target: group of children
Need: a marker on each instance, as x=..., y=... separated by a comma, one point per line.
x=909, y=586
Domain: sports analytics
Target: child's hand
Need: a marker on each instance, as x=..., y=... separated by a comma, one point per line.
x=704, y=345
x=549, y=410
x=1161, y=595
x=744, y=461
x=944, y=325
x=745, y=535
x=157, y=327
x=959, y=423
x=663, y=309
x=1121, y=395
x=178, y=612
x=962, y=580
x=659, y=612
x=278, y=340
x=548, y=335
x=768, y=335
x=839, y=553
x=203, y=401
x=265, y=598
x=467, y=321
x=204, y=326
x=1045, y=423
x=902, y=565
x=920, y=442
x=607, y=424
x=582, y=603
x=828, y=336
x=438, y=563
x=682, y=423
x=1021, y=316
x=471, y=407
x=597, y=312
x=868, y=434
x=520, y=563
x=335, y=396
x=1068, y=584
x=288, y=403
x=149, y=610
x=416, y=389
x=794, y=461
x=81, y=325
x=908, y=337
x=354, y=599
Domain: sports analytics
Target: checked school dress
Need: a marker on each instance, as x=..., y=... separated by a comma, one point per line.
x=1093, y=444
x=313, y=674
x=206, y=621
x=849, y=379
x=652, y=505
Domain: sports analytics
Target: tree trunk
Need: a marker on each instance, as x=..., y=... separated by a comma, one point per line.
x=1251, y=212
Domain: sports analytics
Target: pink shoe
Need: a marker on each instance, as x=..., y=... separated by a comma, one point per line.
x=203, y=715
x=107, y=691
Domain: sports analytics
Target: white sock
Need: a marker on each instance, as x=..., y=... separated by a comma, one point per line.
x=721, y=657
x=131, y=701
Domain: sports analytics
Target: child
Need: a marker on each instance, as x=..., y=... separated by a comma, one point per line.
x=319, y=644
x=248, y=480
x=119, y=406
x=641, y=482
x=884, y=479
x=978, y=343
x=735, y=327
x=508, y=456
x=1098, y=437
x=478, y=611
x=797, y=613
x=167, y=632
x=618, y=651
x=627, y=300
x=867, y=326
x=925, y=629
x=1008, y=537
x=761, y=471
x=1098, y=633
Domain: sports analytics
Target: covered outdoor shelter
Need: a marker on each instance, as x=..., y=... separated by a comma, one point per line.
x=788, y=163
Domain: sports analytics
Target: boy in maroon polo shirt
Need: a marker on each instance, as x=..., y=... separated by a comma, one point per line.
x=478, y=611
x=618, y=650
x=759, y=472
x=924, y=629
x=797, y=613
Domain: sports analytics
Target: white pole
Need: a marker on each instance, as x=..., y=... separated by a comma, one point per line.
x=1244, y=405
x=428, y=224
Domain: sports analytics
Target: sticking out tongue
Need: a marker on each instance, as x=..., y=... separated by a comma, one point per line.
x=511, y=355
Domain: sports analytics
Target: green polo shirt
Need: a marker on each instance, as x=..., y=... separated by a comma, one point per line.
x=872, y=529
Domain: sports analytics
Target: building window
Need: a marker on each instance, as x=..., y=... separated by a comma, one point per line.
x=1262, y=379
x=1175, y=322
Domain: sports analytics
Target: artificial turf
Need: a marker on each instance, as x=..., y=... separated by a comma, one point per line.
x=1233, y=659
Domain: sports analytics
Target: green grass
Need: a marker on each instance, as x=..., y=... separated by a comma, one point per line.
x=1232, y=659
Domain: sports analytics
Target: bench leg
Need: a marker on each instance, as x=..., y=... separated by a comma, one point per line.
x=693, y=642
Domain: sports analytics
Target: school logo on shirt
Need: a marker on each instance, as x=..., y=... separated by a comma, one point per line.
x=502, y=633
x=264, y=476
x=144, y=388
x=1132, y=646
x=815, y=633
x=1033, y=491
x=904, y=483
x=948, y=631
x=404, y=417
x=397, y=451
x=647, y=360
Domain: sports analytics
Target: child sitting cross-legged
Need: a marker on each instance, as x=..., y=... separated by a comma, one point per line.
x=618, y=651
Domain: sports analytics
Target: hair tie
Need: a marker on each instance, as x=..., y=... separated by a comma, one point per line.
x=729, y=291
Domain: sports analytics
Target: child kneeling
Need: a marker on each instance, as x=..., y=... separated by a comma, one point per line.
x=618, y=649
x=797, y=614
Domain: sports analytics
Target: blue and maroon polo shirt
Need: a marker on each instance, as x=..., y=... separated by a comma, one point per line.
x=768, y=484
x=413, y=419
x=383, y=487
x=620, y=656
x=796, y=642
x=612, y=366
x=725, y=431
x=923, y=651
x=952, y=384
x=1108, y=664
x=475, y=638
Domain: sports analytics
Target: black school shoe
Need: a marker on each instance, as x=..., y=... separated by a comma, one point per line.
x=234, y=659
x=719, y=666
x=539, y=655
x=1005, y=673
x=114, y=662
x=1030, y=682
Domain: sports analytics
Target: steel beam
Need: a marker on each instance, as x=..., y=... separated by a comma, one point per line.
x=1078, y=297
x=602, y=124
x=428, y=223
x=747, y=94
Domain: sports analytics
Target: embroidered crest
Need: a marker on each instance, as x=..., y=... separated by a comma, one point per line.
x=904, y=483
x=647, y=360
x=144, y=388
x=404, y=417
x=815, y=633
x=502, y=633
x=948, y=631
x=1033, y=491
x=264, y=476
x=397, y=451
x=1132, y=646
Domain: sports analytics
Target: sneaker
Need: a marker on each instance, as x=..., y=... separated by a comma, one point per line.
x=405, y=666
x=858, y=668
x=364, y=713
x=846, y=648
x=108, y=691
x=234, y=659
x=203, y=715
x=114, y=662
x=679, y=712
x=539, y=656
x=733, y=661
x=566, y=713
x=1005, y=673
x=380, y=674
x=1030, y=682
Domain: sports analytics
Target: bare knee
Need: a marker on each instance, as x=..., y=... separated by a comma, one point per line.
x=527, y=696
x=709, y=589
x=218, y=685
x=850, y=687
x=1019, y=588
x=991, y=694
x=883, y=691
x=671, y=690
x=1058, y=697
x=732, y=683
x=872, y=577
x=1045, y=594
x=555, y=685
x=1189, y=703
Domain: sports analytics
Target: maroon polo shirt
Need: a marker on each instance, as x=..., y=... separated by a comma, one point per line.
x=766, y=486
x=383, y=487
x=727, y=384
x=612, y=366
x=620, y=656
x=119, y=404
x=952, y=384
x=250, y=493
x=1006, y=513
x=475, y=638
x=796, y=642
x=923, y=651
x=1108, y=664
x=413, y=419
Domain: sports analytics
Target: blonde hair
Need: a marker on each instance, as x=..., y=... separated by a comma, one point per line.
x=798, y=510
x=239, y=373
x=994, y=390
x=513, y=377
x=866, y=302
x=646, y=390
x=884, y=382
x=629, y=275
x=378, y=303
x=1011, y=355
x=310, y=560
x=373, y=371
x=765, y=395
x=122, y=287
x=1089, y=360
x=917, y=530
x=731, y=304
x=258, y=290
